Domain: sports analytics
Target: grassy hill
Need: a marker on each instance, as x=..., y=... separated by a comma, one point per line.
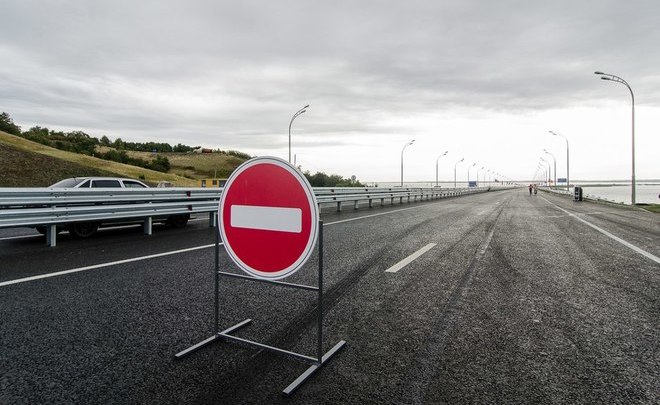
x=192, y=165
x=25, y=163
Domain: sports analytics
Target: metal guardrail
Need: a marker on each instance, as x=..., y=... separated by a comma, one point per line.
x=50, y=208
x=338, y=196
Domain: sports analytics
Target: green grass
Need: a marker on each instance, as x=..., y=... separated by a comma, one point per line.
x=22, y=168
x=650, y=207
x=192, y=165
x=25, y=163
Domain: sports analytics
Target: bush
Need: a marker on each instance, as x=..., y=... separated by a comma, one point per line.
x=320, y=179
x=7, y=125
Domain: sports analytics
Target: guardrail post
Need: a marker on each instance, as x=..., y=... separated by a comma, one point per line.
x=51, y=235
x=338, y=206
x=355, y=204
x=148, y=225
x=370, y=203
x=382, y=202
x=213, y=218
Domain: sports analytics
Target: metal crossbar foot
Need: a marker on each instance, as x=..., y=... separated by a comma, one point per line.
x=312, y=369
x=212, y=339
x=196, y=347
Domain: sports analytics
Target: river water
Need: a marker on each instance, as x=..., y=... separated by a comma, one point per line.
x=646, y=191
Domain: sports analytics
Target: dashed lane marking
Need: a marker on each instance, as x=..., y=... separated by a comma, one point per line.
x=403, y=263
x=135, y=259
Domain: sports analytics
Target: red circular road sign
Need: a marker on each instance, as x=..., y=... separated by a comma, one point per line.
x=268, y=218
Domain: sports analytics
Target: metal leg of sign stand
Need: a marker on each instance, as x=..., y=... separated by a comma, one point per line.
x=316, y=362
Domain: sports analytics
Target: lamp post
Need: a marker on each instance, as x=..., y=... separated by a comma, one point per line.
x=436, y=167
x=549, y=170
x=555, y=164
x=404, y=148
x=478, y=170
x=470, y=167
x=301, y=111
x=462, y=159
x=614, y=78
x=568, y=178
x=544, y=171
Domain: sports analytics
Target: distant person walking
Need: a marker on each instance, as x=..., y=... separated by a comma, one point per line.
x=535, y=189
x=530, y=189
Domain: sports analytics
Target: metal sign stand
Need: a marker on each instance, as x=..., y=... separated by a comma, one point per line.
x=316, y=362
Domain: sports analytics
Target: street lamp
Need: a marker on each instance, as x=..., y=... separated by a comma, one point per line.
x=404, y=148
x=470, y=167
x=555, y=163
x=478, y=170
x=614, y=78
x=549, y=170
x=568, y=178
x=301, y=111
x=436, y=167
x=544, y=171
x=462, y=159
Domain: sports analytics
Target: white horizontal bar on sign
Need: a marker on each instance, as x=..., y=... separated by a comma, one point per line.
x=266, y=218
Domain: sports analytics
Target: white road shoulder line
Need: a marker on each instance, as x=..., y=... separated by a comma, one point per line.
x=616, y=238
x=369, y=216
x=98, y=266
x=403, y=263
x=21, y=237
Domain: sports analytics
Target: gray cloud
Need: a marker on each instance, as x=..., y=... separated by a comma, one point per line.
x=232, y=73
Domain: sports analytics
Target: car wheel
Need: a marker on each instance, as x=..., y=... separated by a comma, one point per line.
x=83, y=229
x=178, y=221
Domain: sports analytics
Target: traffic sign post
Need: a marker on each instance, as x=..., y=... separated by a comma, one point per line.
x=269, y=223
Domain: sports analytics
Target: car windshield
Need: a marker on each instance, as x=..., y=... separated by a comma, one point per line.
x=133, y=184
x=67, y=183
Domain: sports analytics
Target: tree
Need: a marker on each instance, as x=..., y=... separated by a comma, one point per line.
x=7, y=125
x=105, y=141
x=160, y=163
x=320, y=179
x=118, y=143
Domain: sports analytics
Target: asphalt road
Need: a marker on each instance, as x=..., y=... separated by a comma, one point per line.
x=517, y=301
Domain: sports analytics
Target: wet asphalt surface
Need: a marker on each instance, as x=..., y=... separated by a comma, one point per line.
x=518, y=302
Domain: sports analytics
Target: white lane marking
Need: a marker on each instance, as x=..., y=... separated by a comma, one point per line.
x=369, y=216
x=616, y=238
x=20, y=237
x=403, y=263
x=98, y=266
x=266, y=218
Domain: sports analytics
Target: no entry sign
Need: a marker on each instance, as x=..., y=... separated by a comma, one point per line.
x=268, y=218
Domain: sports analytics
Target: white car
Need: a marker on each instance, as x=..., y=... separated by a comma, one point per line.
x=99, y=182
x=87, y=229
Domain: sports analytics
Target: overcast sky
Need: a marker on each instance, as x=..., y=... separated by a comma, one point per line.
x=484, y=80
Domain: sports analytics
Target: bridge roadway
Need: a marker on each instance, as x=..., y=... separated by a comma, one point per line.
x=518, y=301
